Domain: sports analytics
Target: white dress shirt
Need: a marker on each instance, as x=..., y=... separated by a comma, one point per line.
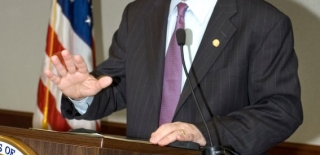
x=197, y=17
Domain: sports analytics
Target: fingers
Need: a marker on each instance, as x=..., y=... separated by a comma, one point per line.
x=171, y=132
x=68, y=61
x=74, y=63
x=80, y=64
x=185, y=136
x=104, y=81
x=166, y=134
x=69, y=64
x=163, y=131
x=173, y=136
x=55, y=79
x=58, y=65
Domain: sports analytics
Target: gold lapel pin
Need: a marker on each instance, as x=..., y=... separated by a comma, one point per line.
x=216, y=42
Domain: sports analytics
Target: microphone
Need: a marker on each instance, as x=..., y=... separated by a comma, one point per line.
x=211, y=150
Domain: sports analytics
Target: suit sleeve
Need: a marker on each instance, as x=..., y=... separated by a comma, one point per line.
x=275, y=110
x=111, y=98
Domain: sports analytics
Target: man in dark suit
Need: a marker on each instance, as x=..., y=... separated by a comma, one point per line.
x=244, y=74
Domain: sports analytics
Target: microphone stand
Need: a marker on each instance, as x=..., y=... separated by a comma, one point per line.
x=207, y=150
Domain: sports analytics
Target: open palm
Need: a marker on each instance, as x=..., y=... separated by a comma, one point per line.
x=74, y=79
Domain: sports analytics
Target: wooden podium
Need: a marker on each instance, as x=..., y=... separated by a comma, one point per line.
x=53, y=143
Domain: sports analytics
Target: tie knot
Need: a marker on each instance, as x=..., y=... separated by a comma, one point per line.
x=182, y=8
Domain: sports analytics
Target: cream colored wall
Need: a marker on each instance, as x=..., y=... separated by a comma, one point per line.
x=23, y=27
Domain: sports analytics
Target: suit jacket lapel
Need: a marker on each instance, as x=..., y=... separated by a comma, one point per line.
x=156, y=28
x=220, y=28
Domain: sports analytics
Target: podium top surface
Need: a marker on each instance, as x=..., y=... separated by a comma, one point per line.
x=63, y=138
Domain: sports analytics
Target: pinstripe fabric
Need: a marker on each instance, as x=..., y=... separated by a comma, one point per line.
x=248, y=86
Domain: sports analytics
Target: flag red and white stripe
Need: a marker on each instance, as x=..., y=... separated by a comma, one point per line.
x=70, y=28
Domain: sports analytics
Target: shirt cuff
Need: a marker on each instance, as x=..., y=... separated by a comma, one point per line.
x=82, y=105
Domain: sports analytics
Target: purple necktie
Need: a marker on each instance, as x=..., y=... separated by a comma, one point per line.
x=172, y=72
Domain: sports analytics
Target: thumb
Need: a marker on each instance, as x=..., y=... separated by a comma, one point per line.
x=105, y=81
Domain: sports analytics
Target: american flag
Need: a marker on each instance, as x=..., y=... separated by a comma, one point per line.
x=70, y=28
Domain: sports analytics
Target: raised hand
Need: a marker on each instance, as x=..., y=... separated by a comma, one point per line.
x=74, y=79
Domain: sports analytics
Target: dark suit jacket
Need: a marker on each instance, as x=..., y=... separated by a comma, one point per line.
x=248, y=87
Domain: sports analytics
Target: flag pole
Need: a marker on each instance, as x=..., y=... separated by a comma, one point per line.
x=46, y=106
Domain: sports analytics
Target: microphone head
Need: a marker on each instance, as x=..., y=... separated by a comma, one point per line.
x=181, y=36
